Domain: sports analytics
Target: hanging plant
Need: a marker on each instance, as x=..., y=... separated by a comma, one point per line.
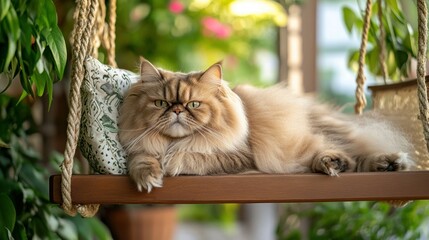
x=31, y=46
x=25, y=209
x=400, y=39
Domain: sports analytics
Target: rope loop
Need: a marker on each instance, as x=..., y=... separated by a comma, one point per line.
x=89, y=27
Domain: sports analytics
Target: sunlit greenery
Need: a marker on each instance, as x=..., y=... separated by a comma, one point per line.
x=355, y=220
x=401, y=38
x=224, y=215
x=193, y=34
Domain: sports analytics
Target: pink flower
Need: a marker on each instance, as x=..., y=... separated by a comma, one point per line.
x=213, y=27
x=176, y=7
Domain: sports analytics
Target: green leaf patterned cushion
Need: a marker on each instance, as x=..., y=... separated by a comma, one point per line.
x=102, y=93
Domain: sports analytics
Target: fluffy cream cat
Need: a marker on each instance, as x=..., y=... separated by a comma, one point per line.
x=175, y=123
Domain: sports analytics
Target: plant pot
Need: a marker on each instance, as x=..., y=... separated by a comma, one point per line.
x=141, y=222
x=399, y=103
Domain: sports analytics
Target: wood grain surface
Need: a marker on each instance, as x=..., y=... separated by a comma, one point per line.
x=255, y=188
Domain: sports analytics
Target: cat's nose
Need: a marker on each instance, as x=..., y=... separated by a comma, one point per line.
x=177, y=110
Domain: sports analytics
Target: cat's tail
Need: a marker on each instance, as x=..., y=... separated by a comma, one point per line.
x=381, y=134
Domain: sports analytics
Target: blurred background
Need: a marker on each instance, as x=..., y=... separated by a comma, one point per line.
x=309, y=44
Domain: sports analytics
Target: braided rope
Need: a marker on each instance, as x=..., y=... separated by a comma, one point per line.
x=382, y=43
x=104, y=33
x=98, y=29
x=421, y=68
x=82, y=33
x=421, y=84
x=360, y=79
x=111, y=34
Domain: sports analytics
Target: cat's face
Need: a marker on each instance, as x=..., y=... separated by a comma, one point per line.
x=176, y=104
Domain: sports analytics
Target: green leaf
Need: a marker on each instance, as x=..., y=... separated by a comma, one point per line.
x=46, y=15
x=11, y=49
x=353, y=61
x=28, y=194
x=7, y=212
x=372, y=34
x=52, y=222
x=394, y=7
x=19, y=231
x=401, y=58
x=57, y=47
x=410, y=41
x=39, y=79
x=40, y=227
x=390, y=31
x=24, y=94
x=35, y=179
x=373, y=61
x=51, y=12
x=67, y=229
x=26, y=34
x=349, y=18
x=100, y=231
x=10, y=25
x=4, y=8
x=26, y=83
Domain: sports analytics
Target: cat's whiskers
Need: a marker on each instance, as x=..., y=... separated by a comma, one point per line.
x=131, y=130
x=204, y=131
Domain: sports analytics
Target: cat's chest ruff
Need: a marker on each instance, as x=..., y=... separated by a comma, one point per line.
x=192, y=145
x=155, y=146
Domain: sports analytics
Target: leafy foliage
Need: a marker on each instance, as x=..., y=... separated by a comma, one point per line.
x=358, y=220
x=31, y=45
x=401, y=40
x=25, y=210
x=223, y=214
x=189, y=35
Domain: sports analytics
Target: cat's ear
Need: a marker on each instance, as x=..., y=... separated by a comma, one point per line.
x=213, y=74
x=148, y=72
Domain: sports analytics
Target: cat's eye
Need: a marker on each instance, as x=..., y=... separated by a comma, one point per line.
x=193, y=104
x=161, y=103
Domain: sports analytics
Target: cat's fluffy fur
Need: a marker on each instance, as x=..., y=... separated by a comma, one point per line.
x=176, y=123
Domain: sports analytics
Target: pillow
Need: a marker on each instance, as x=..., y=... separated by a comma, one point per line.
x=102, y=93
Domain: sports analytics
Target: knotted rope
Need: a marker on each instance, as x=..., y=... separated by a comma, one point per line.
x=84, y=43
x=360, y=79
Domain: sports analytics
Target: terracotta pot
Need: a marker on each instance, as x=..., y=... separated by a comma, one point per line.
x=141, y=223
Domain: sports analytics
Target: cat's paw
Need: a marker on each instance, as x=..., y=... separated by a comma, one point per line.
x=173, y=168
x=332, y=163
x=147, y=177
x=389, y=162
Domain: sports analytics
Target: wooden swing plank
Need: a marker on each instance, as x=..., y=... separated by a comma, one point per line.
x=255, y=188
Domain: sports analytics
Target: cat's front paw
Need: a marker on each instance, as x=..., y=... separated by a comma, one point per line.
x=389, y=162
x=147, y=176
x=174, y=168
x=332, y=163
